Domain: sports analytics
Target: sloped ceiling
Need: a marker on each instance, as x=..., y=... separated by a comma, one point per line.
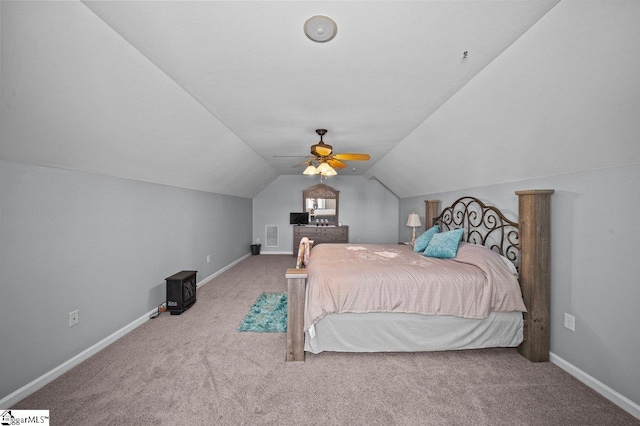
x=564, y=98
x=217, y=95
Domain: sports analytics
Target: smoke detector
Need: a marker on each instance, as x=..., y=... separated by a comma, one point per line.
x=320, y=28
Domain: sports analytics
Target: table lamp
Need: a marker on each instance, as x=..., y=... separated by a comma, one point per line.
x=414, y=222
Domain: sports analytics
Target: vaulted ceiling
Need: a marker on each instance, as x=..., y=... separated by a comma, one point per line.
x=225, y=96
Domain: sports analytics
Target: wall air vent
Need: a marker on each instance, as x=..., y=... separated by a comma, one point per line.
x=272, y=236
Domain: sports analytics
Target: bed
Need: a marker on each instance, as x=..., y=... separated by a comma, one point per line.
x=373, y=298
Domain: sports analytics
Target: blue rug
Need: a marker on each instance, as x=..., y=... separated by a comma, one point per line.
x=267, y=315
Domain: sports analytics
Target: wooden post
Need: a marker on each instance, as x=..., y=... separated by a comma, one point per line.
x=535, y=270
x=296, y=283
x=430, y=212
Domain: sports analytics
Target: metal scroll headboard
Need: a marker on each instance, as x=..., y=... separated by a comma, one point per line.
x=482, y=224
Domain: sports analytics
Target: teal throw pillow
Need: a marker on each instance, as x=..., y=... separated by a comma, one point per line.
x=423, y=240
x=444, y=245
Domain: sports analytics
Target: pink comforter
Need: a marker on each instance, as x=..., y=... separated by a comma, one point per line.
x=392, y=278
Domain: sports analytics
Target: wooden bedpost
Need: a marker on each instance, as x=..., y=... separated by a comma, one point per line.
x=430, y=212
x=535, y=270
x=296, y=283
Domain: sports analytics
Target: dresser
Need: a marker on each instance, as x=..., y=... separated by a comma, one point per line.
x=319, y=235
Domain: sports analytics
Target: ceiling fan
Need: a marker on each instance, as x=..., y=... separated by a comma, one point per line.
x=323, y=161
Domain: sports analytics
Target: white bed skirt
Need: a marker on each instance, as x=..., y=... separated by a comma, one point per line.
x=400, y=332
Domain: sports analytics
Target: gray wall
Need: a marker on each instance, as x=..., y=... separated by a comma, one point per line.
x=595, y=233
x=366, y=206
x=102, y=245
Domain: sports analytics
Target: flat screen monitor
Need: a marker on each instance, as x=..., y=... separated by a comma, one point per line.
x=299, y=218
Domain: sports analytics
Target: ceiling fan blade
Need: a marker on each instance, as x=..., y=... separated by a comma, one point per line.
x=352, y=157
x=304, y=163
x=336, y=164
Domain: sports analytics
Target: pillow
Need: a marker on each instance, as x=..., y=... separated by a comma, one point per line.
x=445, y=244
x=423, y=240
x=509, y=264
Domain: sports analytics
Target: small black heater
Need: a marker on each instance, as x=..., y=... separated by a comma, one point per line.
x=181, y=291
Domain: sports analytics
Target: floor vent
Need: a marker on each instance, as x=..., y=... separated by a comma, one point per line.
x=272, y=236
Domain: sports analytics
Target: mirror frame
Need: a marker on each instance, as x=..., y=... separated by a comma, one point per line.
x=324, y=192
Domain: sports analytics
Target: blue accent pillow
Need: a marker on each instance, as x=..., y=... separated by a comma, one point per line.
x=423, y=240
x=444, y=245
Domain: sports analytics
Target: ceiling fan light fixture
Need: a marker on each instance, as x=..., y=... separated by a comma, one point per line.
x=326, y=170
x=322, y=155
x=322, y=149
x=310, y=170
x=329, y=172
x=323, y=167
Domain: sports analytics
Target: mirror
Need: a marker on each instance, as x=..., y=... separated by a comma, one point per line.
x=321, y=202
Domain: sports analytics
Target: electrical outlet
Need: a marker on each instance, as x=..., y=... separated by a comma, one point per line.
x=570, y=322
x=74, y=318
x=208, y=258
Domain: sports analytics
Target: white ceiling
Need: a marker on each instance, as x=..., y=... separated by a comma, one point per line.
x=205, y=94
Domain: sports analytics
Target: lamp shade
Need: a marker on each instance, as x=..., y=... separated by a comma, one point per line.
x=310, y=170
x=330, y=171
x=323, y=167
x=413, y=220
x=326, y=170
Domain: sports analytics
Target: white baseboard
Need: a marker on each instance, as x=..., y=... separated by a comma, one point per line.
x=215, y=274
x=620, y=400
x=277, y=252
x=8, y=401
x=14, y=397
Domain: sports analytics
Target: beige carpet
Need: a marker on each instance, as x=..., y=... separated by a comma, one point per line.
x=196, y=369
